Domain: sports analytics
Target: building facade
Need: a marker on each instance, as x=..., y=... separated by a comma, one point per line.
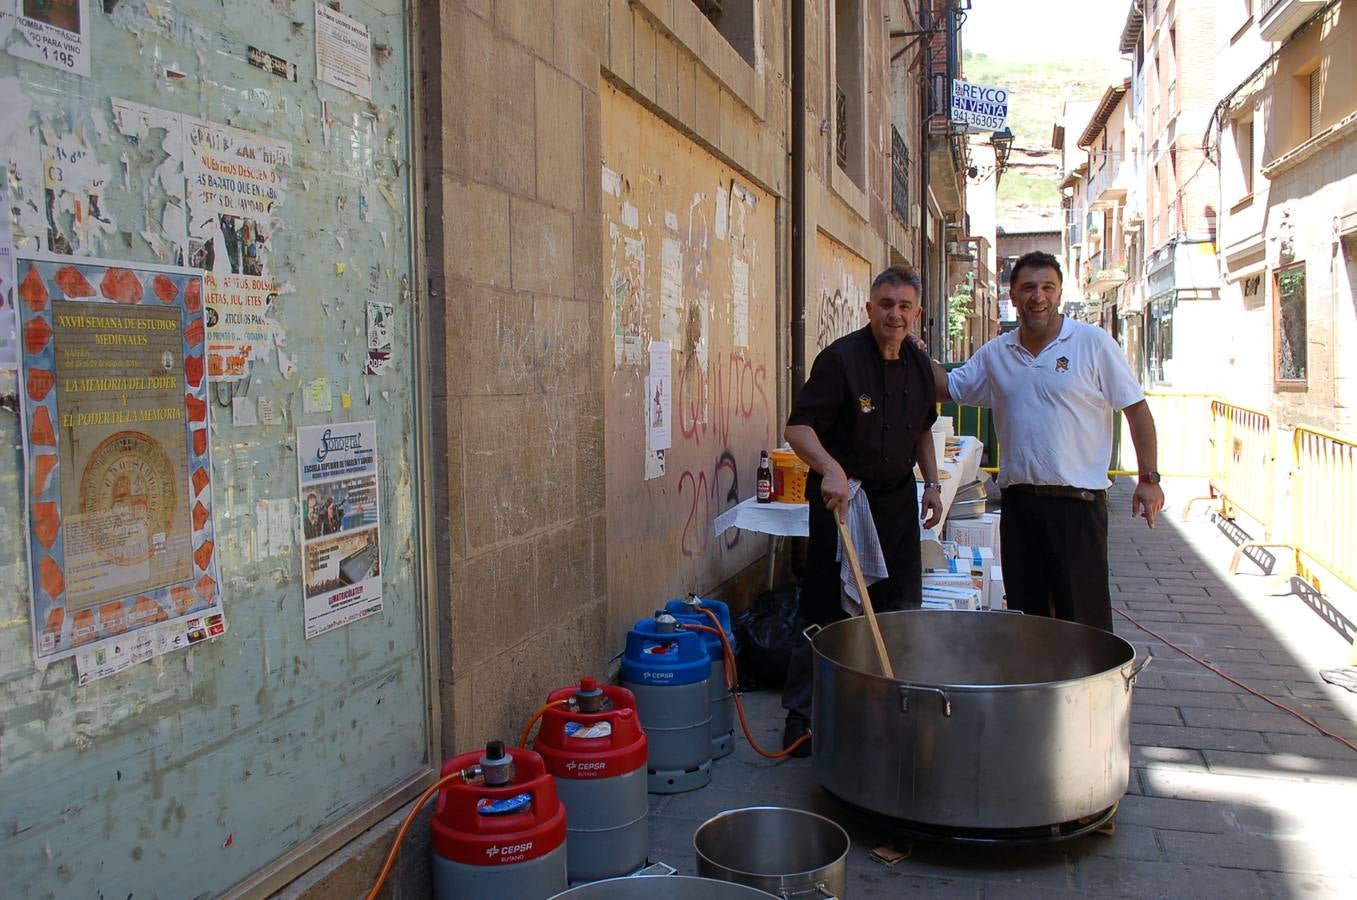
x=1171, y=48
x=1074, y=199
x=1109, y=140
x=1285, y=135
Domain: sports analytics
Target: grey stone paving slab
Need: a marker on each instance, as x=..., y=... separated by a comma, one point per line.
x=1286, y=766
x=1102, y=877
x=1155, y=715
x=1331, y=856
x=1159, y=697
x=1197, y=738
x=1314, y=745
x=1143, y=756
x=1244, y=720
x=1308, y=887
x=1306, y=706
x=1210, y=682
x=1252, y=818
x=1177, y=815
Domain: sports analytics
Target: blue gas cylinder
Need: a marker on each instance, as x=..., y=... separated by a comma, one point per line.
x=668, y=669
x=690, y=610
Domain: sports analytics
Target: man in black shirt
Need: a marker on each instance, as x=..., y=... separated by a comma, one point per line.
x=866, y=413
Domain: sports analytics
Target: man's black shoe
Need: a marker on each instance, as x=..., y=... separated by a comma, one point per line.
x=797, y=727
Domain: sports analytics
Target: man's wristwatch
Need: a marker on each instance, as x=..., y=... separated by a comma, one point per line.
x=933, y=485
x=1149, y=477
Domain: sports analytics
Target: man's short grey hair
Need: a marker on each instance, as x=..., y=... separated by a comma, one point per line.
x=898, y=275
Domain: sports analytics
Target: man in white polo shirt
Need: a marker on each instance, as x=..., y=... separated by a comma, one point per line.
x=1053, y=385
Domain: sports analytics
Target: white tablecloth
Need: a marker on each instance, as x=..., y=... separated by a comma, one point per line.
x=793, y=519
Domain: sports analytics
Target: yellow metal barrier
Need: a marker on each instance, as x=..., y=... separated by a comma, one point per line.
x=1183, y=424
x=1242, y=463
x=1323, y=501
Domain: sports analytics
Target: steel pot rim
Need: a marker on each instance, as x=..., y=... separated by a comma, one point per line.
x=1124, y=669
x=731, y=813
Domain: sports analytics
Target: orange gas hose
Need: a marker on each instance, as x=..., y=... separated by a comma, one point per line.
x=405, y=826
x=424, y=798
x=731, y=680
x=523, y=741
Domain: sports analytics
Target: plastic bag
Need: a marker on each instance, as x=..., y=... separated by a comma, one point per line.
x=765, y=634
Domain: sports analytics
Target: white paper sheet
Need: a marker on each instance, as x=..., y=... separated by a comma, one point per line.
x=343, y=52
x=659, y=397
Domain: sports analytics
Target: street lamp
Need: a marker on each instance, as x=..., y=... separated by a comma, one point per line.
x=1002, y=142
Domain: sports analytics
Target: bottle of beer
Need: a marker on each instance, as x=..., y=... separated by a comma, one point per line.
x=763, y=484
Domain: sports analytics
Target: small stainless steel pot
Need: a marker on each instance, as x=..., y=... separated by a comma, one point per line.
x=789, y=853
x=663, y=887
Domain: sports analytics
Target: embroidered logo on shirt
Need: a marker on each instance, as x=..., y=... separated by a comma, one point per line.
x=866, y=403
x=1062, y=364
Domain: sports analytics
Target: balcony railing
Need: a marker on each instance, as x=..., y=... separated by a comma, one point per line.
x=1103, y=274
x=899, y=176
x=1278, y=18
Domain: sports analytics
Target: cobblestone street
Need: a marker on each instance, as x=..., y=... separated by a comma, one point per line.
x=1229, y=797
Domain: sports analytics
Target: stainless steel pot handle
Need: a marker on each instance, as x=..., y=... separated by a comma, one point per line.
x=1138, y=668
x=810, y=631
x=904, y=697
x=817, y=890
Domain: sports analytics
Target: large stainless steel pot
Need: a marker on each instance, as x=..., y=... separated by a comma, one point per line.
x=994, y=721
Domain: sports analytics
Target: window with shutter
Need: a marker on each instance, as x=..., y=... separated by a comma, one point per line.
x=1314, y=102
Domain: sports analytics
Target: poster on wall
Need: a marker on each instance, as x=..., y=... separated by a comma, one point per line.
x=343, y=52
x=231, y=188
x=340, y=506
x=381, y=321
x=49, y=32
x=118, y=483
x=659, y=397
x=121, y=653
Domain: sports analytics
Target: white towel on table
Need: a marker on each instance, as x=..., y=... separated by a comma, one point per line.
x=868, y=544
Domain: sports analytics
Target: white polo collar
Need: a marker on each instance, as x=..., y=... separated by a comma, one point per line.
x=1066, y=332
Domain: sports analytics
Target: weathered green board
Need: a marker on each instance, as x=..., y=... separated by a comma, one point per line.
x=183, y=775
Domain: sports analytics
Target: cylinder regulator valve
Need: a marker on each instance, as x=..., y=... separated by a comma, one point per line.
x=589, y=697
x=497, y=766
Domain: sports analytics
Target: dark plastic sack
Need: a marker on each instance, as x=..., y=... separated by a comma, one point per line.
x=765, y=634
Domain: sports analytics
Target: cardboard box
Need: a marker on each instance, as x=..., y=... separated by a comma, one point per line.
x=996, y=598
x=946, y=578
x=951, y=598
x=981, y=531
x=972, y=562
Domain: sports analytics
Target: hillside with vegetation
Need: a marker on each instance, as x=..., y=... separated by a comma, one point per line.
x=1029, y=193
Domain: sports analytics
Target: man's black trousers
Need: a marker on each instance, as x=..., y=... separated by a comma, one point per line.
x=896, y=514
x=1054, y=552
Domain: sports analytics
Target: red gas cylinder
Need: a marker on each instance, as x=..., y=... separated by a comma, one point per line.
x=501, y=831
x=595, y=748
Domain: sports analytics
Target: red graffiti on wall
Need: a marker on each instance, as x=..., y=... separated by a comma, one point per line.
x=707, y=402
x=705, y=502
